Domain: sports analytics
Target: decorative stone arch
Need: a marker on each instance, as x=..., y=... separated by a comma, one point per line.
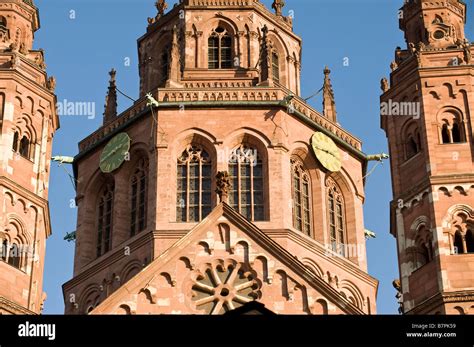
x=90, y=299
x=451, y=125
x=130, y=270
x=355, y=293
x=25, y=136
x=313, y=267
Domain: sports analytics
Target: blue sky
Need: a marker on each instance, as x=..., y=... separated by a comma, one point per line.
x=80, y=51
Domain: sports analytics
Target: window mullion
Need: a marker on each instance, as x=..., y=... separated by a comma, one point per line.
x=252, y=206
x=200, y=191
x=188, y=180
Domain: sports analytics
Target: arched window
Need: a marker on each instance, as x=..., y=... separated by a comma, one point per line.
x=301, y=194
x=194, y=185
x=16, y=138
x=24, y=149
x=14, y=256
x=220, y=49
x=458, y=243
x=105, y=220
x=138, y=199
x=3, y=22
x=412, y=139
x=247, y=191
x=276, y=67
x=336, y=221
x=470, y=241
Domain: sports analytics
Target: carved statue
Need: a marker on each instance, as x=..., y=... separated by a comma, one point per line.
x=467, y=51
x=398, y=287
x=393, y=66
x=51, y=84
x=14, y=61
x=384, y=85
x=278, y=6
x=23, y=49
x=161, y=6
x=223, y=185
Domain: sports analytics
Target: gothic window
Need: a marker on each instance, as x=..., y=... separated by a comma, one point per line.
x=276, y=67
x=16, y=138
x=220, y=49
x=458, y=243
x=194, y=181
x=301, y=197
x=247, y=191
x=105, y=220
x=336, y=221
x=24, y=149
x=138, y=208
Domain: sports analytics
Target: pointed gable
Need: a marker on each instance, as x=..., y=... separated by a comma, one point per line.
x=222, y=264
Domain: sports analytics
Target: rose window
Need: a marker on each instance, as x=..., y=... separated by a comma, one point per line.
x=222, y=288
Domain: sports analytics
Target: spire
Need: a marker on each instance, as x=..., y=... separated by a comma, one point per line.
x=329, y=104
x=111, y=99
x=278, y=6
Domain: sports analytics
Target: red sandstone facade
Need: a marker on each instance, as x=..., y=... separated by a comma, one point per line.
x=432, y=214
x=162, y=234
x=28, y=121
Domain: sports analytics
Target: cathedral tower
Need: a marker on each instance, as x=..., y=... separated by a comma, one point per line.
x=220, y=185
x=427, y=115
x=28, y=121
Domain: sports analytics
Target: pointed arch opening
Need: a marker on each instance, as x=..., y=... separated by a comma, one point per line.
x=220, y=46
x=194, y=184
x=105, y=219
x=139, y=197
x=301, y=197
x=336, y=217
x=458, y=243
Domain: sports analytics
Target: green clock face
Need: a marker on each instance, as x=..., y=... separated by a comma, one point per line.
x=115, y=153
x=327, y=152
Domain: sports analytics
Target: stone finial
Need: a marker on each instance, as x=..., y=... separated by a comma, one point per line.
x=266, y=77
x=384, y=85
x=111, y=99
x=51, y=84
x=223, y=185
x=278, y=6
x=161, y=6
x=329, y=103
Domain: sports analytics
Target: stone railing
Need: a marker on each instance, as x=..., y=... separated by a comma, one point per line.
x=180, y=96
